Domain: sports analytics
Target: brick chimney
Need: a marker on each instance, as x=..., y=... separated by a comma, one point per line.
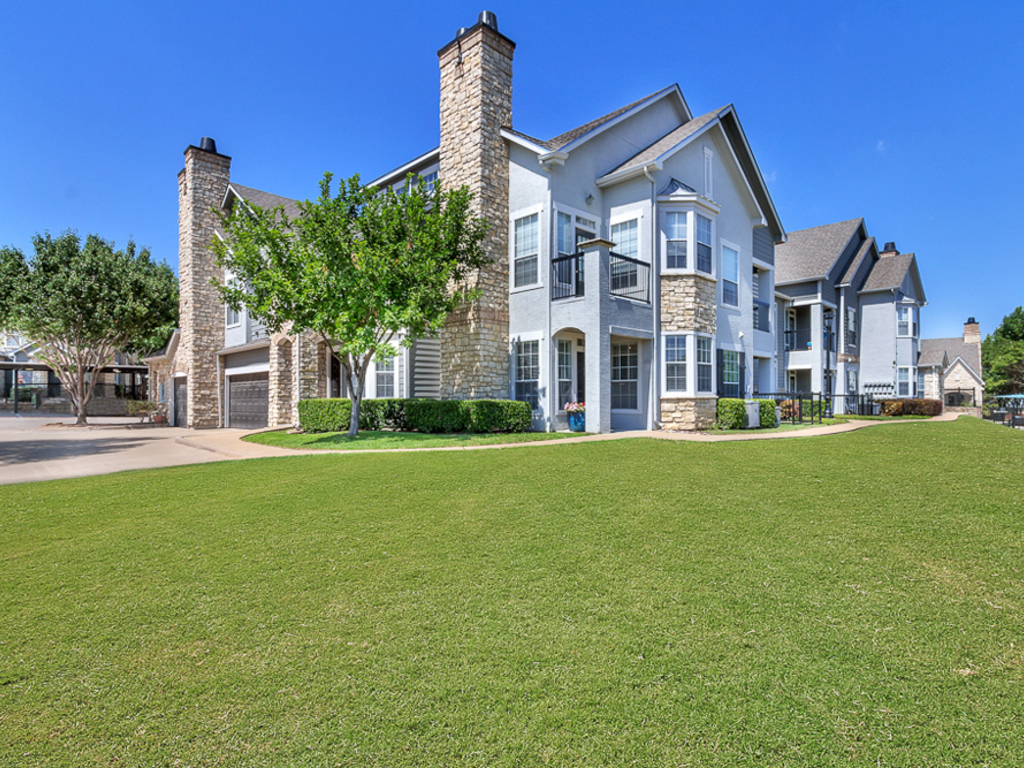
x=889, y=250
x=201, y=187
x=972, y=331
x=476, y=102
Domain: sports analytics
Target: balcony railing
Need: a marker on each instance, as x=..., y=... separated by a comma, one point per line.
x=762, y=316
x=797, y=340
x=567, y=276
x=630, y=278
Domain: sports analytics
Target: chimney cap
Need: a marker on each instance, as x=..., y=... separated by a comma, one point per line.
x=208, y=145
x=971, y=321
x=488, y=19
x=890, y=246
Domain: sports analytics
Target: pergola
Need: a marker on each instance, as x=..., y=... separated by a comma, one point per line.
x=139, y=375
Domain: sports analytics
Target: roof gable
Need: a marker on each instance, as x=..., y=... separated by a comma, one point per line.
x=810, y=254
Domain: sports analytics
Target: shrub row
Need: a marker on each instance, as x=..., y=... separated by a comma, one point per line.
x=912, y=407
x=416, y=415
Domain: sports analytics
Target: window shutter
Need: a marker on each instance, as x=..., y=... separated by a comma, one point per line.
x=743, y=375
x=720, y=368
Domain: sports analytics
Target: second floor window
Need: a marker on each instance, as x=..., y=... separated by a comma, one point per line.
x=675, y=241
x=704, y=244
x=906, y=321
x=730, y=276
x=526, y=250
x=851, y=327
x=624, y=235
x=234, y=317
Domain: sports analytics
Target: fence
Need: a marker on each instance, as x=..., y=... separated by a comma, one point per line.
x=811, y=408
x=1008, y=412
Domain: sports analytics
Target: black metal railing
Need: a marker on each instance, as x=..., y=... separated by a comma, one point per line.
x=798, y=340
x=961, y=398
x=1008, y=411
x=630, y=278
x=762, y=316
x=567, y=279
x=812, y=407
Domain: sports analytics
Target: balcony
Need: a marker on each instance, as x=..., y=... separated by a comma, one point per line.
x=630, y=278
x=567, y=278
x=762, y=316
x=798, y=341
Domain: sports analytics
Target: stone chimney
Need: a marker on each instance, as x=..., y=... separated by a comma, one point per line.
x=201, y=187
x=972, y=331
x=889, y=250
x=476, y=102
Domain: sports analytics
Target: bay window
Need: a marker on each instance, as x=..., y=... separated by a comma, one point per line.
x=704, y=261
x=675, y=363
x=903, y=382
x=675, y=240
x=704, y=364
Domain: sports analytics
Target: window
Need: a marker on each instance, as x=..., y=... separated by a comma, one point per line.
x=730, y=276
x=675, y=363
x=730, y=373
x=851, y=326
x=675, y=246
x=703, y=244
x=564, y=373
x=625, y=376
x=851, y=382
x=903, y=382
x=704, y=363
x=566, y=246
x=920, y=383
x=163, y=392
x=385, y=377
x=906, y=317
x=624, y=236
x=526, y=250
x=528, y=372
x=234, y=317
x=430, y=181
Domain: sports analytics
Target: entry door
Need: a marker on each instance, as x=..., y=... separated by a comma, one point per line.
x=181, y=402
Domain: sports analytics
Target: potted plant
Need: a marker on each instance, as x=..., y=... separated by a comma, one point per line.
x=577, y=413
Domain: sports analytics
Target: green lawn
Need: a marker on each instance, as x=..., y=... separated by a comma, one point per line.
x=847, y=600
x=375, y=441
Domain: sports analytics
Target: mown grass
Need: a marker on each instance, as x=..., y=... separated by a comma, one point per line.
x=375, y=441
x=846, y=600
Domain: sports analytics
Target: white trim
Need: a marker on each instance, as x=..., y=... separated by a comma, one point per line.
x=690, y=348
x=525, y=143
x=722, y=245
x=244, y=369
x=390, y=176
x=542, y=231
x=709, y=173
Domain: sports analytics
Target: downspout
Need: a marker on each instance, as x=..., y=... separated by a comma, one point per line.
x=655, y=407
x=220, y=408
x=552, y=348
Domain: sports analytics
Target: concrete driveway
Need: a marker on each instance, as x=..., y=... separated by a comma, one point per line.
x=34, y=447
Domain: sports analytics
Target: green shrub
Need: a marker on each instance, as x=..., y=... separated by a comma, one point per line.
x=912, y=407
x=325, y=414
x=732, y=413
x=383, y=413
x=498, y=415
x=767, y=413
x=434, y=416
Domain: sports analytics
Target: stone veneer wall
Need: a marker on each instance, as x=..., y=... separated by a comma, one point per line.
x=280, y=384
x=309, y=360
x=688, y=305
x=476, y=101
x=201, y=187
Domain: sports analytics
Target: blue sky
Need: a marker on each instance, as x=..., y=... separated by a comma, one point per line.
x=907, y=114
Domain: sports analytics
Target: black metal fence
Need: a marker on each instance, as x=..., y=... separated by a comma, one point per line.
x=1008, y=412
x=961, y=398
x=811, y=408
x=567, y=276
x=630, y=278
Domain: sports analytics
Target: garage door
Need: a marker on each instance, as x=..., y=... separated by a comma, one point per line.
x=181, y=401
x=247, y=401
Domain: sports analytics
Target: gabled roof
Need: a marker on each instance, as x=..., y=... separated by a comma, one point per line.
x=810, y=254
x=889, y=272
x=866, y=247
x=932, y=354
x=666, y=143
x=563, y=140
x=167, y=352
x=261, y=199
x=955, y=349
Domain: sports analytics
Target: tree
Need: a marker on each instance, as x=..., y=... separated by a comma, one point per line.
x=356, y=268
x=1002, y=356
x=83, y=303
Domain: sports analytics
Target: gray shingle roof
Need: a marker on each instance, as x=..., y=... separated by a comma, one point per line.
x=954, y=348
x=809, y=254
x=858, y=259
x=266, y=200
x=568, y=137
x=652, y=152
x=888, y=272
x=932, y=352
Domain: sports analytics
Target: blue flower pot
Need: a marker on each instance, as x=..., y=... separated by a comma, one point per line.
x=577, y=422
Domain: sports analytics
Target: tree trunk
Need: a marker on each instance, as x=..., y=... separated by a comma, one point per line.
x=80, y=401
x=356, y=384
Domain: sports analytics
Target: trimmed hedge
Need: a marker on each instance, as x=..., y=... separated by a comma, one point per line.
x=767, y=414
x=732, y=413
x=912, y=407
x=325, y=414
x=416, y=415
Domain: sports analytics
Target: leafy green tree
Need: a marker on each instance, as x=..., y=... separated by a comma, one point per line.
x=356, y=268
x=83, y=303
x=1002, y=356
